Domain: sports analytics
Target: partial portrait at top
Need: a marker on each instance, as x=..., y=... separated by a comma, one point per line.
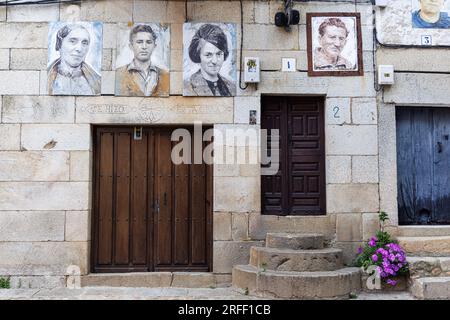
x=430, y=14
x=414, y=23
x=209, y=59
x=143, y=60
x=74, y=58
x=334, y=44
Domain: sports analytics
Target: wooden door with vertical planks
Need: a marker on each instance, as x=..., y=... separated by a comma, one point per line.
x=149, y=214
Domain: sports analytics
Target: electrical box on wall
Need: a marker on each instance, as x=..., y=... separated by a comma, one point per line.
x=385, y=74
x=381, y=3
x=251, y=70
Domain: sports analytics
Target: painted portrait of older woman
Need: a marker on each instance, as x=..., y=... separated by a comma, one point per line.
x=74, y=58
x=209, y=59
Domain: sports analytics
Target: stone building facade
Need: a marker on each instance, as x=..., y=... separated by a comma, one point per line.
x=46, y=142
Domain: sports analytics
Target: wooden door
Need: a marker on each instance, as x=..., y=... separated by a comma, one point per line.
x=423, y=165
x=299, y=186
x=149, y=214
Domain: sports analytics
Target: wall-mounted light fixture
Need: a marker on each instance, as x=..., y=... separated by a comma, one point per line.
x=288, y=17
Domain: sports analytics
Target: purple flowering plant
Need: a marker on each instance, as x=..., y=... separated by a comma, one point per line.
x=383, y=253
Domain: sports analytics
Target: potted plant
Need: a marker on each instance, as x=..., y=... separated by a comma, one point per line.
x=383, y=259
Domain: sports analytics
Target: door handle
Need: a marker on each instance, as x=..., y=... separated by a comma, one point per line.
x=439, y=147
x=157, y=206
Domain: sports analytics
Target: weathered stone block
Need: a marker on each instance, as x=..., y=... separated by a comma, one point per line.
x=339, y=169
x=33, y=13
x=155, y=110
x=405, y=59
x=273, y=39
x=23, y=35
x=107, y=60
x=159, y=11
x=38, y=109
x=260, y=225
x=338, y=111
x=250, y=170
x=365, y=169
x=110, y=35
x=242, y=194
x=295, y=241
x=193, y=280
x=80, y=165
x=42, y=258
x=176, y=60
x=34, y=166
x=370, y=225
x=108, y=82
x=433, y=89
x=270, y=60
x=239, y=227
x=230, y=253
x=300, y=83
x=349, y=251
x=364, y=111
x=37, y=282
x=176, y=36
x=262, y=12
x=348, y=227
x=77, y=226
x=107, y=11
x=32, y=226
x=226, y=170
x=135, y=279
x=4, y=59
x=222, y=226
x=388, y=161
x=19, y=82
x=44, y=195
x=431, y=288
x=242, y=107
x=426, y=246
x=176, y=83
x=9, y=137
x=351, y=140
x=352, y=198
x=56, y=137
x=223, y=11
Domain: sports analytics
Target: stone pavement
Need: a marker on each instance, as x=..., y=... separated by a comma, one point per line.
x=110, y=293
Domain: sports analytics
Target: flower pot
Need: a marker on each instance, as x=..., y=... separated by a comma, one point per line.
x=401, y=285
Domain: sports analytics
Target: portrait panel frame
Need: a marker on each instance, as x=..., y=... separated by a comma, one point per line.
x=81, y=68
x=356, y=32
x=130, y=80
x=219, y=37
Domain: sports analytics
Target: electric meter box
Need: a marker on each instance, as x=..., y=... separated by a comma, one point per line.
x=385, y=74
x=381, y=3
x=251, y=70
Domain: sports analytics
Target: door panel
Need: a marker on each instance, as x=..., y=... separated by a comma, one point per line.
x=423, y=162
x=299, y=186
x=149, y=214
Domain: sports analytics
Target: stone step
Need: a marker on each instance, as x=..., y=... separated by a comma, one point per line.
x=426, y=246
x=421, y=267
x=336, y=284
x=296, y=260
x=295, y=241
x=431, y=288
x=154, y=280
x=423, y=231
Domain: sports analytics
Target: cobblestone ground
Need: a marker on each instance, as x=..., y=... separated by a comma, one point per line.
x=108, y=293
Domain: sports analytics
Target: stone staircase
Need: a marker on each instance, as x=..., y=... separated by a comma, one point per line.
x=428, y=254
x=296, y=266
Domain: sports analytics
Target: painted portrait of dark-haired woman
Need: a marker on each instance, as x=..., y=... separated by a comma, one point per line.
x=209, y=66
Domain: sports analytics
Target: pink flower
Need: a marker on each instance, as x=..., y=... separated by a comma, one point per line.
x=391, y=282
x=374, y=258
